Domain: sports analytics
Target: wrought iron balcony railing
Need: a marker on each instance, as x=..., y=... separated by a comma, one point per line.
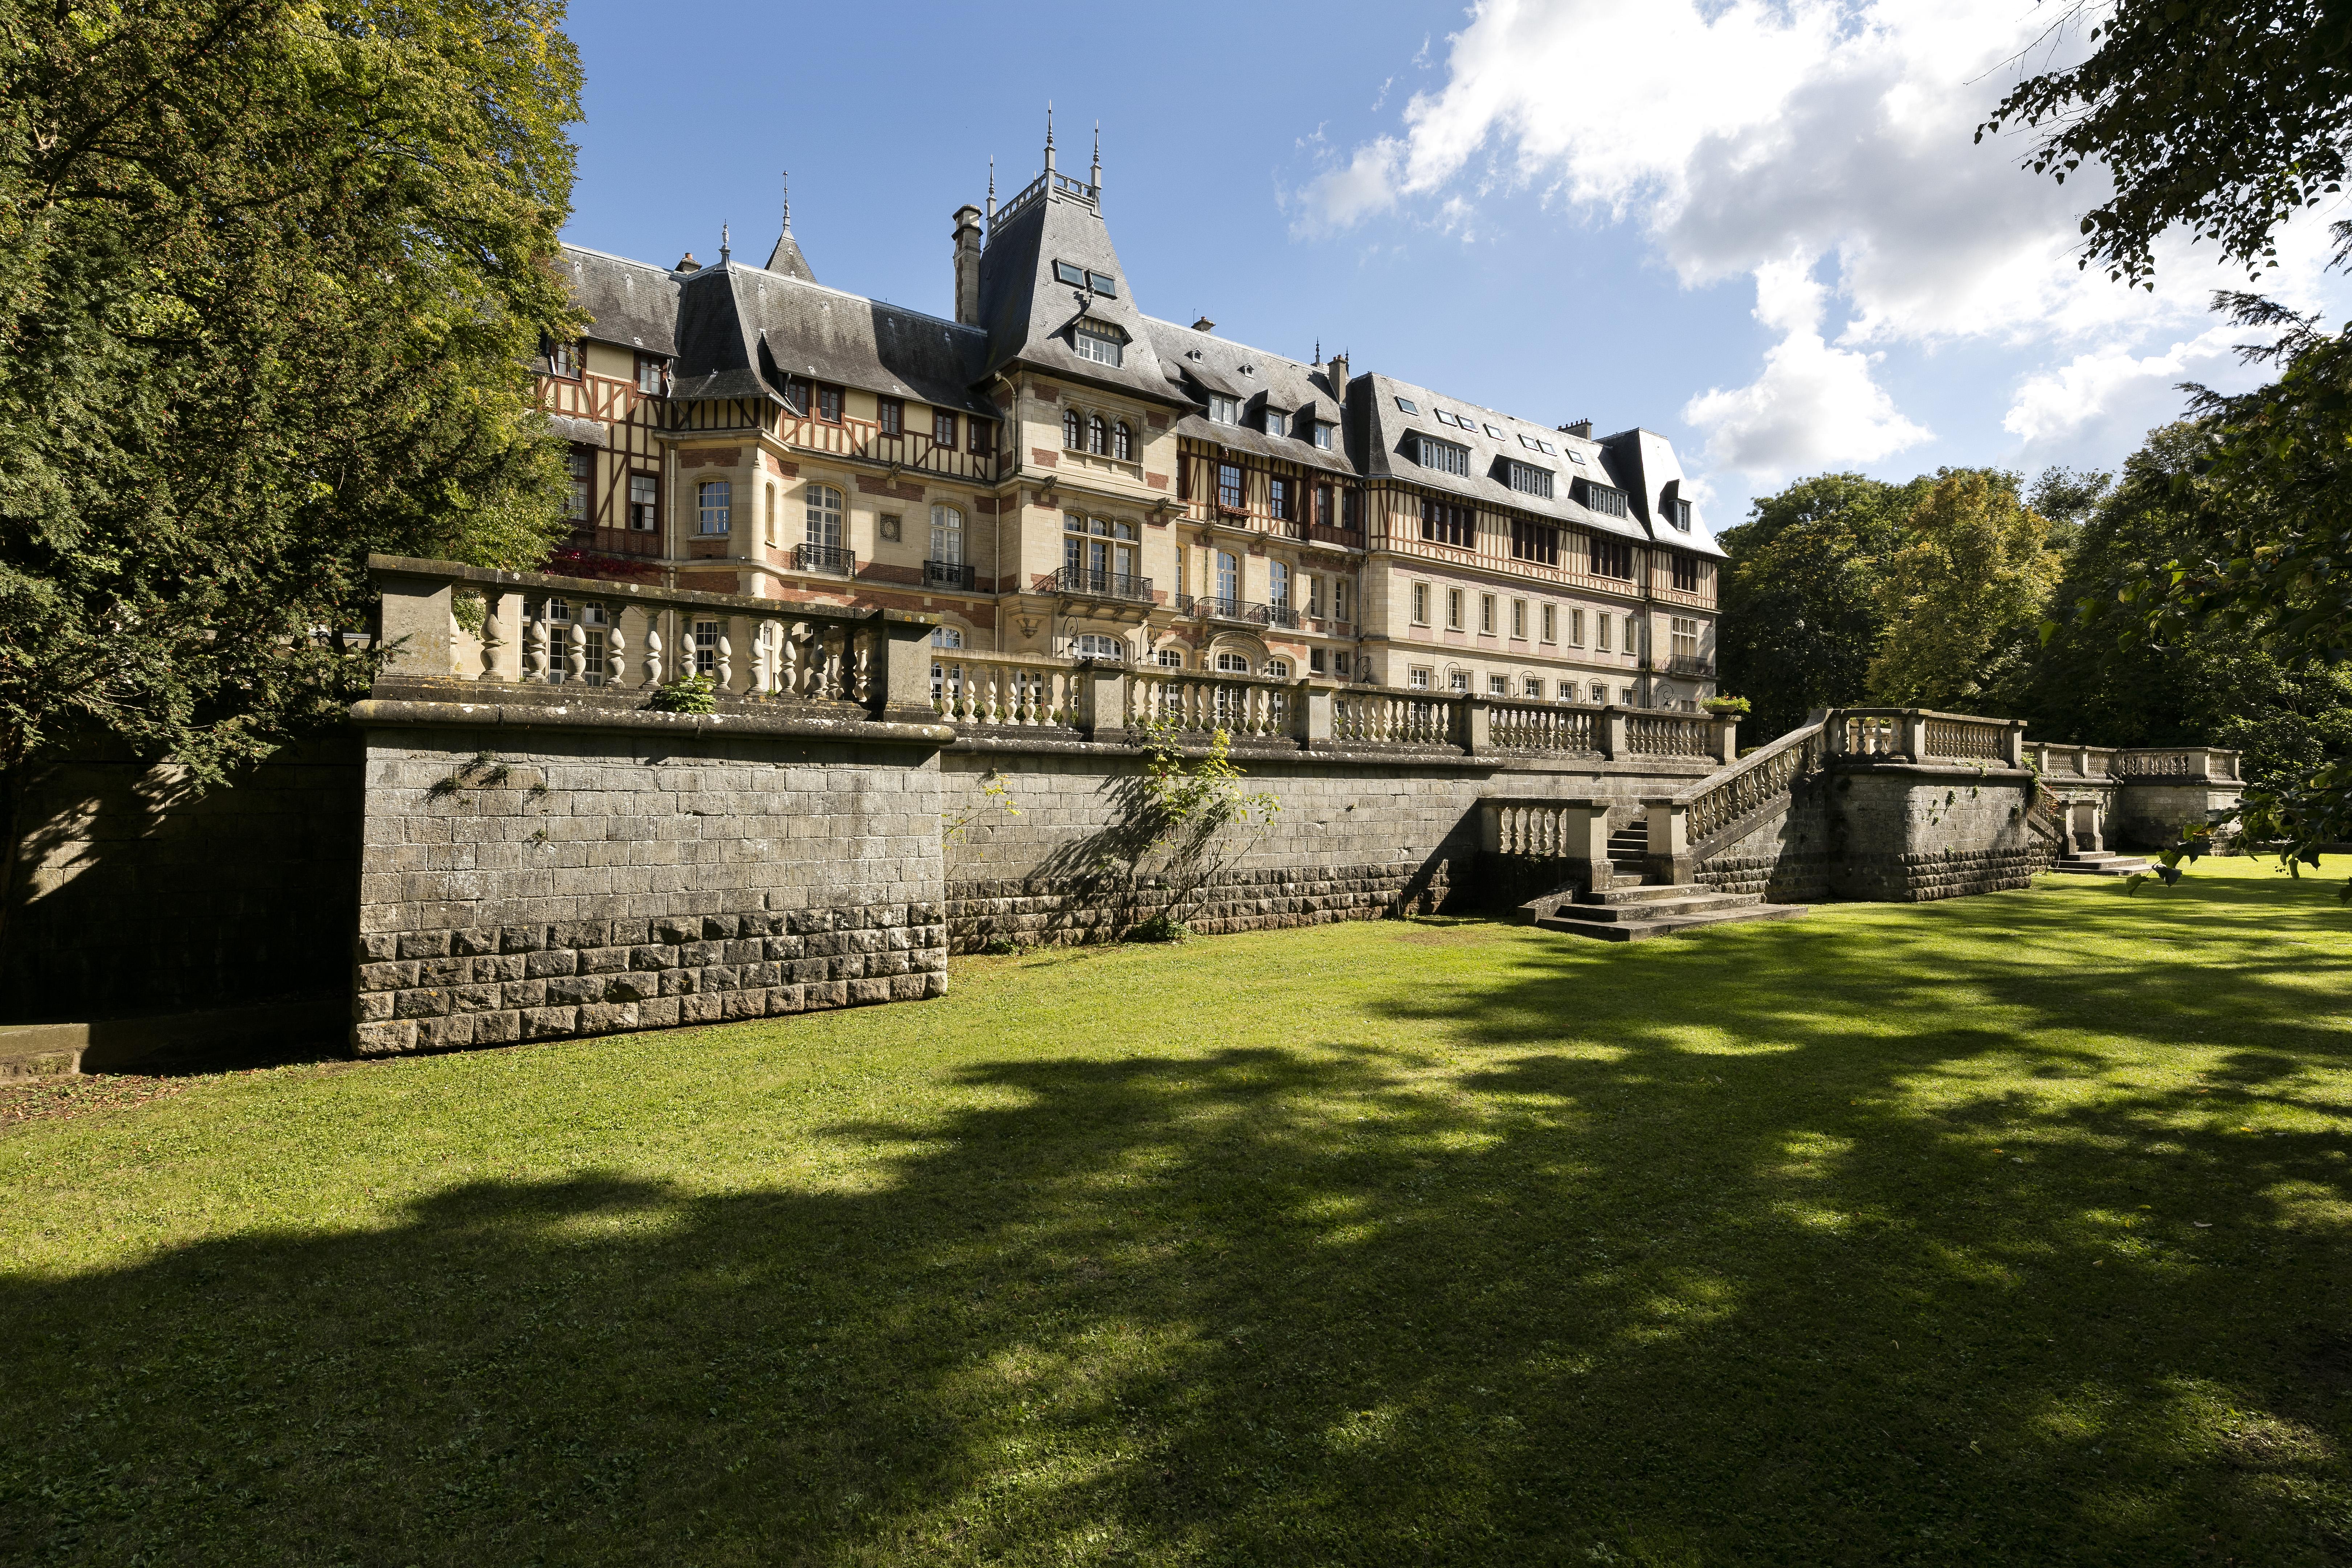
x=1221, y=609
x=824, y=558
x=1685, y=663
x=1098, y=585
x=947, y=575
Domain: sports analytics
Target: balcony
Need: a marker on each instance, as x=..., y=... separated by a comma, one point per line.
x=1686, y=664
x=1256, y=615
x=1091, y=583
x=827, y=558
x=948, y=575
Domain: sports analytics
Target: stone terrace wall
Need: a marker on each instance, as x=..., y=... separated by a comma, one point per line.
x=134, y=895
x=1786, y=857
x=585, y=882
x=1911, y=834
x=1355, y=840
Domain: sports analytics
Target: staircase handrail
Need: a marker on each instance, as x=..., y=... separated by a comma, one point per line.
x=1721, y=807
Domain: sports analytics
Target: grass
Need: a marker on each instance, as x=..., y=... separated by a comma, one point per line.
x=2010, y=1229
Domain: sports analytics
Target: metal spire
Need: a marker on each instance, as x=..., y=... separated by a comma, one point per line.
x=723, y=244
x=788, y=201
x=1095, y=179
x=1049, y=139
x=992, y=187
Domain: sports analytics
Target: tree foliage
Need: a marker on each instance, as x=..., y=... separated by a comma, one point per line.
x=2222, y=117
x=271, y=274
x=1801, y=612
x=1964, y=598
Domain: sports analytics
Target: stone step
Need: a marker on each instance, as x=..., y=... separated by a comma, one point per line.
x=2102, y=863
x=1658, y=892
x=1573, y=924
x=1687, y=902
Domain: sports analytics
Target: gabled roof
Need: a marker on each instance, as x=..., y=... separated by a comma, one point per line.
x=628, y=302
x=786, y=259
x=1647, y=469
x=1385, y=428
x=1028, y=313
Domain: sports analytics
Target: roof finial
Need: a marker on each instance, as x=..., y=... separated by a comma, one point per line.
x=788, y=201
x=1049, y=139
x=1318, y=350
x=992, y=187
x=723, y=244
x=1095, y=179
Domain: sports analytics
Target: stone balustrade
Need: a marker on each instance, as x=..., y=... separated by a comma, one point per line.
x=993, y=693
x=1922, y=735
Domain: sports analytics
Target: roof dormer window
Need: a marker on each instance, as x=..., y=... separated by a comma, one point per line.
x=1678, y=512
x=1277, y=422
x=1323, y=435
x=1443, y=455
x=1097, y=344
x=1532, y=480
x=1224, y=410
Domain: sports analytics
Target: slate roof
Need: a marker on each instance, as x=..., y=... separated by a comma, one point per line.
x=1197, y=364
x=1638, y=462
x=1028, y=313
x=629, y=303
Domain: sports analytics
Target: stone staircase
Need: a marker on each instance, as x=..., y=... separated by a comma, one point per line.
x=1634, y=911
x=2100, y=863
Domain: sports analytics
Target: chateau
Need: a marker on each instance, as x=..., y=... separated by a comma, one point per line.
x=1057, y=476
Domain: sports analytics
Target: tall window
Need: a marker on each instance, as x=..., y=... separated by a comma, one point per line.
x=1098, y=435
x=890, y=415
x=1487, y=613
x=1099, y=552
x=1229, y=486
x=645, y=502
x=943, y=428
x=1098, y=346
x=1453, y=609
x=563, y=360
x=1323, y=517
x=1229, y=576
x=947, y=535
x=1351, y=509
x=1122, y=441
x=772, y=514
x=1611, y=558
x=580, y=463
x=1551, y=623
x=1576, y=628
x=1685, y=574
x=1601, y=635
x=1314, y=596
x=649, y=374
x=1678, y=512
x=1421, y=604
x=1073, y=431
x=1277, y=497
x=980, y=435
x=1537, y=542
x=1339, y=598
x=1277, y=585
x=1519, y=618
x=1442, y=522
x=828, y=404
x=824, y=516
x=1684, y=630
x=713, y=500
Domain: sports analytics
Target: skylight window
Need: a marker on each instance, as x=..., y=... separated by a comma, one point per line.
x=1548, y=451
x=1527, y=441
x=1075, y=277
x=1573, y=456
x=1408, y=405
x=1100, y=282
x=1492, y=431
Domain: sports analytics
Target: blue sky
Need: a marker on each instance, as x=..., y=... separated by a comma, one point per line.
x=1759, y=226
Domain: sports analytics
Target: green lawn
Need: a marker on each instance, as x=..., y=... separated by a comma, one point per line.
x=2009, y=1229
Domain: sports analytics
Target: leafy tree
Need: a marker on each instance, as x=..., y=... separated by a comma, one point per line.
x=1800, y=605
x=1964, y=598
x=2066, y=499
x=2224, y=117
x=2204, y=689
x=271, y=274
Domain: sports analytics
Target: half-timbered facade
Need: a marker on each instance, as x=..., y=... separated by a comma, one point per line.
x=1058, y=476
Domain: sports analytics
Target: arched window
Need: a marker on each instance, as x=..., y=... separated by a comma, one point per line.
x=1098, y=435
x=947, y=535
x=1233, y=663
x=1277, y=668
x=1074, y=430
x=1122, y=442
x=824, y=516
x=1094, y=645
x=947, y=636
x=1169, y=658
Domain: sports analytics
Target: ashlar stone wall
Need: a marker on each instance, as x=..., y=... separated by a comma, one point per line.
x=520, y=885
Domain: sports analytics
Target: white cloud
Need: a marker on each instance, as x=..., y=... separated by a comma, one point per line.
x=1788, y=139
x=2060, y=401
x=1814, y=404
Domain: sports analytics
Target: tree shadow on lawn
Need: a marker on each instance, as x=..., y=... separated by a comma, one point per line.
x=1712, y=1252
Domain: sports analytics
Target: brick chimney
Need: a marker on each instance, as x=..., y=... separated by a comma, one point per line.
x=1577, y=427
x=967, y=265
x=1204, y=325
x=1338, y=370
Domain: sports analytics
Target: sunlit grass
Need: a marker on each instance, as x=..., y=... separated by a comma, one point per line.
x=2009, y=1229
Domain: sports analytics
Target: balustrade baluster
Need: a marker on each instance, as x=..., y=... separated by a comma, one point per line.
x=576, y=659
x=616, y=647
x=493, y=636
x=534, y=643
x=653, y=648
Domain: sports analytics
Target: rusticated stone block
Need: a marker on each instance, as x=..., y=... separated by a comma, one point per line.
x=468, y=943
x=445, y=1034
x=702, y=1007
x=476, y=999
x=905, y=987
x=425, y=944
x=657, y=1013
x=496, y=1028
x=524, y=993
x=831, y=994
x=384, y=1040
x=444, y=972
x=696, y=955
x=718, y=928
x=672, y=931
x=581, y=934
x=572, y=990
x=746, y=1004
x=608, y=1017
x=545, y=1023
x=371, y=1008
x=656, y=957
x=603, y=960
x=395, y=976
x=551, y=962
x=378, y=946
x=680, y=982
x=632, y=985
x=719, y=977
x=521, y=939
x=499, y=967
x=785, y=999
x=422, y=1004
x=631, y=934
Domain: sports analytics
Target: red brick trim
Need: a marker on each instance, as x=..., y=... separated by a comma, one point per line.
x=708, y=457
x=1045, y=457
